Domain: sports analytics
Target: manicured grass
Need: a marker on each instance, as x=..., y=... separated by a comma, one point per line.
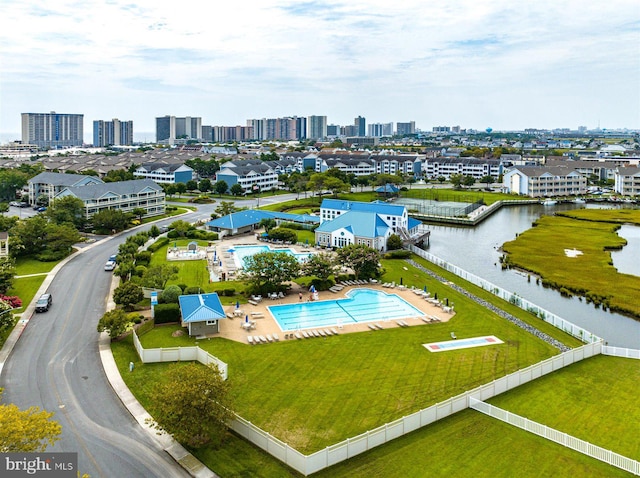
x=312, y=394
x=26, y=288
x=541, y=250
x=585, y=400
x=29, y=265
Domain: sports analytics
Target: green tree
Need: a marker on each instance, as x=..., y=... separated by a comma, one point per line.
x=468, y=180
x=204, y=185
x=456, y=180
x=170, y=189
x=10, y=181
x=488, y=180
x=194, y=404
x=154, y=231
x=38, y=237
x=362, y=259
x=109, y=220
x=236, y=189
x=115, y=322
x=67, y=210
x=181, y=188
x=382, y=179
x=204, y=168
x=394, y=242
x=220, y=187
x=316, y=182
x=139, y=212
x=335, y=185
x=116, y=175
x=7, y=273
x=127, y=295
x=156, y=277
x=191, y=185
x=125, y=269
x=268, y=270
x=170, y=294
x=321, y=265
x=225, y=208
x=181, y=227
x=26, y=431
x=268, y=223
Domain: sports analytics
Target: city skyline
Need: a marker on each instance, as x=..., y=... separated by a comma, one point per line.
x=474, y=64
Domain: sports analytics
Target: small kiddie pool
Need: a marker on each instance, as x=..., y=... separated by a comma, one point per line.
x=462, y=343
x=361, y=305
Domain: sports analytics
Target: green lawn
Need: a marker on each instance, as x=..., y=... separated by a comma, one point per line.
x=586, y=400
x=29, y=265
x=541, y=250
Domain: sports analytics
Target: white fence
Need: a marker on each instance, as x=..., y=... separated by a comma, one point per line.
x=594, y=451
x=620, y=352
x=307, y=464
x=178, y=354
x=572, y=329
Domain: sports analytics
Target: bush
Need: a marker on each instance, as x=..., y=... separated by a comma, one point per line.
x=140, y=270
x=228, y=292
x=173, y=235
x=162, y=241
x=170, y=294
x=182, y=287
x=399, y=254
x=166, y=313
x=322, y=284
x=143, y=258
x=193, y=290
x=202, y=235
x=283, y=234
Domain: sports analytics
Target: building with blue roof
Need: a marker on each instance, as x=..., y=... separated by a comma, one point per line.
x=201, y=313
x=351, y=222
x=248, y=220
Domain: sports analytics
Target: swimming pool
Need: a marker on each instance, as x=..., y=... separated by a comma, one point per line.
x=361, y=305
x=240, y=253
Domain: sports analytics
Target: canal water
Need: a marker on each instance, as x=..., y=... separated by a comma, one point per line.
x=476, y=249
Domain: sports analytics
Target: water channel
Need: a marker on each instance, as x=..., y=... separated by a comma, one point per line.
x=476, y=249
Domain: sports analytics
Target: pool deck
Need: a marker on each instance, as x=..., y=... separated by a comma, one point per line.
x=266, y=324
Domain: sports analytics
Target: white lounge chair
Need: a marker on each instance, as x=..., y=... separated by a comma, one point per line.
x=378, y=326
x=335, y=332
x=328, y=332
x=315, y=333
x=453, y=336
x=280, y=295
x=252, y=302
x=276, y=338
x=269, y=338
x=263, y=339
x=321, y=332
x=297, y=335
x=250, y=339
x=372, y=327
x=304, y=334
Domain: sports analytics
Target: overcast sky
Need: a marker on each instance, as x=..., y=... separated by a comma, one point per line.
x=474, y=63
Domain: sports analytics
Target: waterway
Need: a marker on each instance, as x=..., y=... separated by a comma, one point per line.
x=627, y=260
x=476, y=249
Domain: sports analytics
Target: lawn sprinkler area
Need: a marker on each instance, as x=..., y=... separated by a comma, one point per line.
x=462, y=343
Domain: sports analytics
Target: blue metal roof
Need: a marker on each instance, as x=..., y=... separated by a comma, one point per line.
x=201, y=307
x=411, y=223
x=360, y=223
x=248, y=217
x=377, y=207
x=387, y=188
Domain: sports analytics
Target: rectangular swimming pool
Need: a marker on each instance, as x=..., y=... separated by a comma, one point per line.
x=361, y=305
x=240, y=253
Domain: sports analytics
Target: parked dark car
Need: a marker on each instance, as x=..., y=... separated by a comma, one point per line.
x=44, y=302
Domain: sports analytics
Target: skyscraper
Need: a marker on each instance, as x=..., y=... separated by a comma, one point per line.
x=52, y=130
x=361, y=126
x=170, y=128
x=112, y=133
x=317, y=127
x=380, y=129
x=406, y=128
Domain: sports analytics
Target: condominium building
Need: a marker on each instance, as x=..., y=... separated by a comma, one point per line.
x=360, y=124
x=316, y=127
x=112, y=133
x=540, y=181
x=403, y=129
x=380, y=129
x=52, y=130
x=288, y=128
x=170, y=128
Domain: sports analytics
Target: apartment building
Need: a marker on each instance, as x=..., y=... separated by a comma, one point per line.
x=112, y=133
x=170, y=128
x=627, y=181
x=53, y=130
x=544, y=181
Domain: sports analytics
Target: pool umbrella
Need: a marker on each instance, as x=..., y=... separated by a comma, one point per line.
x=435, y=296
x=447, y=301
x=312, y=289
x=400, y=280
x=246, y=319
x=306, y=241
x=214, y=256
x=424, y=288
x=237, y=304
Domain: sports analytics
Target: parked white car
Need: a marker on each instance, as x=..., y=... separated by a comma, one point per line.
x=110, y=265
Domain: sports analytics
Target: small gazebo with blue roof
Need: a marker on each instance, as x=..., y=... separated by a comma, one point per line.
x=201, y=313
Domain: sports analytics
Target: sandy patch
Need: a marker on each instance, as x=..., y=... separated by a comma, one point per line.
x=572, y=252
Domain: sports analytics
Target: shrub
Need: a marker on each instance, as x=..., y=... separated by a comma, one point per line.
x=162, y=241
x=143, y=258
x=173, y=234
x=140, y=270
x=170, y=294
x=193, y=290
x=166, y=313
x=399, y=254
x=320, y=284
x=228, y=292
x=283, y=234
x=182, y=287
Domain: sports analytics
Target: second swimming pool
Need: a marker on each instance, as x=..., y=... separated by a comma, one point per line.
x=362, y=305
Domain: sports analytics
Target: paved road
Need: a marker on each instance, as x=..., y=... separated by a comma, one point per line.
x=55, y=365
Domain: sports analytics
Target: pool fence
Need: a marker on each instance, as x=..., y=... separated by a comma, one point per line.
x=178, y=354
x=564, y=439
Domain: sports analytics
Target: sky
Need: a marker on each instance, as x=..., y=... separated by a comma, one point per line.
x=507, y=65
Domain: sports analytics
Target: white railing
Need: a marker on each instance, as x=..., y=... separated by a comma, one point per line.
x=549, y=317
x=620, y=352
x=333, y=454
x=584, y=447
x=178, y=354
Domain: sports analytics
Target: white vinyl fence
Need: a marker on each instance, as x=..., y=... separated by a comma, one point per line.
x=594, y=451
x=620, y=352
x=570, y=328
x=308, y=464
x=178, y=354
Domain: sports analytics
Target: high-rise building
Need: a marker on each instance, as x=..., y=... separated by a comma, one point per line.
x=380, y=129
x=52, y=130
x=170, y=128
x=317, y=127
x=406, y=128
x=361, y=126
x=333, y=130
x=112, y=133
